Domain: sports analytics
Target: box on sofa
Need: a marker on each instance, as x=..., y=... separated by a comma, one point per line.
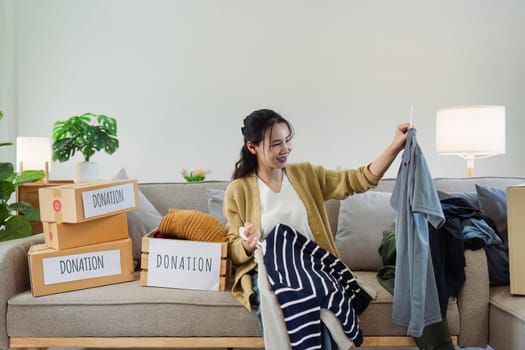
x=55, y=271
x=176, y=263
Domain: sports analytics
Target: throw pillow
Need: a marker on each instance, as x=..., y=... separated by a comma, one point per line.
x=215, y=204
x=493, y=208
x=140, y=221
x=470, y=197
x=362, y=219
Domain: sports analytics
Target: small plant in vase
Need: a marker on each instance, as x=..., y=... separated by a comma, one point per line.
x=194, y=174
x=87, y=134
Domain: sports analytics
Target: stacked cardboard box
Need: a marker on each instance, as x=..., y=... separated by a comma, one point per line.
x=86, y=236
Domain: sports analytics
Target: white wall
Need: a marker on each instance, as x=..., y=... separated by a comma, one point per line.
x=7, y=80
x=180, y=75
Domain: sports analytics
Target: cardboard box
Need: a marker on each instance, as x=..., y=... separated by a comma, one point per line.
x=184, y=264
x=55, y=271
x=66, y=236
x=516, y=237
x=74, y=203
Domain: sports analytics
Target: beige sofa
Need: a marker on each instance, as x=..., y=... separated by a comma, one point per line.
x=129, y=315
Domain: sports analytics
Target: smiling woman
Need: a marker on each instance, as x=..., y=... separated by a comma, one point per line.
x=267, y=192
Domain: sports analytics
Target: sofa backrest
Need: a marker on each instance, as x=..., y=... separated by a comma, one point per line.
x=195, y=196
x=467, y=184
x=180, y=195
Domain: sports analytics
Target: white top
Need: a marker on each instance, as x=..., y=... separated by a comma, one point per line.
x=284, y=207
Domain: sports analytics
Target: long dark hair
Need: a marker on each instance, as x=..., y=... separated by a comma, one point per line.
x=256, y=124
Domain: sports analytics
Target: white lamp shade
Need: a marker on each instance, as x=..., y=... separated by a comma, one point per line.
x=33, y=152
x=471, y=131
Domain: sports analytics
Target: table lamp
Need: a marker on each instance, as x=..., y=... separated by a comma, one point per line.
x=471, y=132
x=33, y=153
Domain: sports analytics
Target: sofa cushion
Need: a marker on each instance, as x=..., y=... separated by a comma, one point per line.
x=362, y=219
x=377, y=317
x=493, y=207
x=470, y=197
x=507, y=319
x=131, y=310
x=140, y=221
x=162, y=312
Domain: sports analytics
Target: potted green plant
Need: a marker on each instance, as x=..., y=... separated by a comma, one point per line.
x=13, y=225
x=87, y=133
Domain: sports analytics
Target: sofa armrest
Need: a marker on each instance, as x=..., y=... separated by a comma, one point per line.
x=14, y=275
x=473, y=301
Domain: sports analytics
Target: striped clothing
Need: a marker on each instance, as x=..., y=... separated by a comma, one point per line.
x=305, y=279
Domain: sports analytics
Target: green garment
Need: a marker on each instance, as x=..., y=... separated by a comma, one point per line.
x=435, y=337
x=387, y=250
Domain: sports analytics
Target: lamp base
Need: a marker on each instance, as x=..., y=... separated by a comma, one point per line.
x=470, y=165
x=46, y=171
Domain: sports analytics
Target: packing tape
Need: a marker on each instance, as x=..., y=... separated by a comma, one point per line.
x=57, y=206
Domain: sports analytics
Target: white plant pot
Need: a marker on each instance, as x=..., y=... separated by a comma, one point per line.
x=86, y=171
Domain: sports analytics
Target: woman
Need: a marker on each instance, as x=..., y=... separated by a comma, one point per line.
x=267, y=191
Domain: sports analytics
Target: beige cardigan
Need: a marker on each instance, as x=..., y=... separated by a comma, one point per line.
x=313, y=184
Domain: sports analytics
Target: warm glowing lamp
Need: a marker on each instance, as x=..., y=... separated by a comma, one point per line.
x=471, y=132
x=33, y=153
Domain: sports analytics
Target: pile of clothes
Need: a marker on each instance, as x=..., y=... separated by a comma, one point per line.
x=191, y=225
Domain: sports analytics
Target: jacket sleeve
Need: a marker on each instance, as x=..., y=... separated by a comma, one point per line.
x=235, y=216
x=336, y=184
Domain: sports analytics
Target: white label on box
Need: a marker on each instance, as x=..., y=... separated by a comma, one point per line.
x=81, y=266
x=184, y=264
x=107, y=200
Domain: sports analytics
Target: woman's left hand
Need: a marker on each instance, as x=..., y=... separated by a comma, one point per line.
x=252, y=235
